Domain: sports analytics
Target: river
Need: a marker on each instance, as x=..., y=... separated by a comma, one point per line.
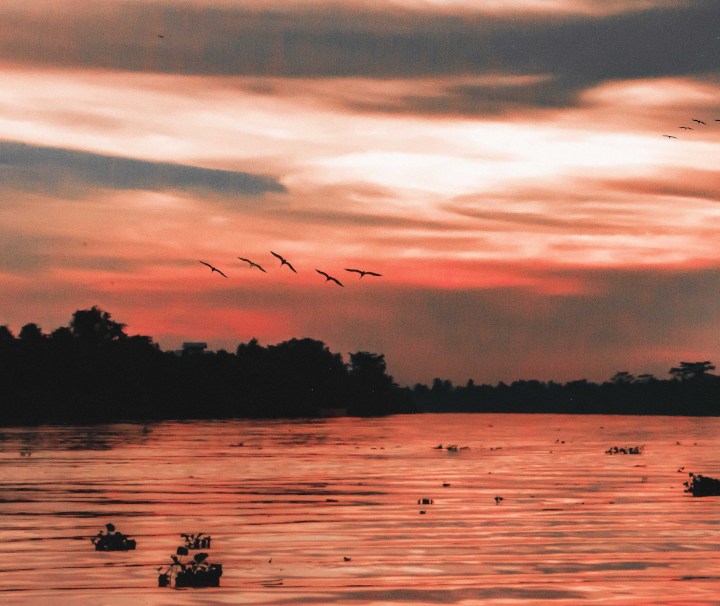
x=326, y=511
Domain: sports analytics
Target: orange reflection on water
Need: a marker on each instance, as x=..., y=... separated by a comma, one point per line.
x=327, y=512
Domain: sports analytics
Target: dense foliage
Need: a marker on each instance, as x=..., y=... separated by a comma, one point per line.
x=92, y=371
x=690, y=391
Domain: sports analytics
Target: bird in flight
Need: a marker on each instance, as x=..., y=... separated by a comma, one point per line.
x=212, y=269
x=699, y=121
x=252, y=264
x=329, y=278
x=670, y=136
x=363, y=273
x=686, y=127
x=282, y=261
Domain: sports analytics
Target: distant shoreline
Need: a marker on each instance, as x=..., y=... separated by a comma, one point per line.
x=92, y=372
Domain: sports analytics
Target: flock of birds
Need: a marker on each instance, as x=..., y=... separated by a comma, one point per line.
x=283, y=261
x=698, y=123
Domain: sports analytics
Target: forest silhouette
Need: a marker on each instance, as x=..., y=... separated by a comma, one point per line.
x=91, y=371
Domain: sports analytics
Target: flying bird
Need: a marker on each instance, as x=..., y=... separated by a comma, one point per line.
x=252, y=264
x=670, y=136
x=212, y=269
x=283, y=261
x=363, y=273
x=686, y=127
x=329, y=278
x=699, y=121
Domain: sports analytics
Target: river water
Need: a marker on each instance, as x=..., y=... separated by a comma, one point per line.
x=326, y=511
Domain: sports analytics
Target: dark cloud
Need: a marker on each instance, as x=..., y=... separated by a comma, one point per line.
x=65, y=172
x=575, y=52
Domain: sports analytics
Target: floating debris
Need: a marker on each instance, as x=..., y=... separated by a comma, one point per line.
x=197, y=541
x=196, y=573
x=702, y=486
x=456, y=448
x=113, y=540
x=633, y=450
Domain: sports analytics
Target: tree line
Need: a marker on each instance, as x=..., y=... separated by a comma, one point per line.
x=92, y=371
x=691, y=390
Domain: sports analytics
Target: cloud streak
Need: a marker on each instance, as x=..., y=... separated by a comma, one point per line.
x=65, y=172
x=574, y=49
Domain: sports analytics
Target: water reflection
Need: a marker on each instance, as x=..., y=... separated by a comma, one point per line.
x=94, y=437
x=528, y=509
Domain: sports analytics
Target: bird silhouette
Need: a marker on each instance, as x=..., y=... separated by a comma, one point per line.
x=686, y=127
x=699, y=121
x=282, y=261
x=362, y=272
x=252, y=264
x=329, y=278
x=670, y=136
x=212, y=269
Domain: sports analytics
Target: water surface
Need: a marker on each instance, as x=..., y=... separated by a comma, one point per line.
x=287, y=502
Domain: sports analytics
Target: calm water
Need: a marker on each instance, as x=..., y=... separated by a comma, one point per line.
x=286, y=503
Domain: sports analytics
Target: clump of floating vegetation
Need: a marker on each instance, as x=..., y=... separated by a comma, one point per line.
x=112, y=540
x=702, y=486
x=197, y=541
x=198, y=572
x=633, y=450
x=452, y=447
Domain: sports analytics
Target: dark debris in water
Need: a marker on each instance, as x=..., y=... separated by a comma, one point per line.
x=629, y=450
x=702, y=486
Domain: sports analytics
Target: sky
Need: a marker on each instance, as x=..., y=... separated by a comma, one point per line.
x=502, y=164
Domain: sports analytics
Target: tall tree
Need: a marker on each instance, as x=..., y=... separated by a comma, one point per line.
x=94, y=327
x=371, y=386
x=691, y=370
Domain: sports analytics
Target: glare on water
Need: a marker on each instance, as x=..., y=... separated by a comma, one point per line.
x=328, y=511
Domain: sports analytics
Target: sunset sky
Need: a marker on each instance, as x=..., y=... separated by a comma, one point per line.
x=501, y=163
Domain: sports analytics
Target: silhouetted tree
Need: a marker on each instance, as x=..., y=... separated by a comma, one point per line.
x=371, y=387
x=307, y=377
x=31, y=334
x=6, y=336
x=622, y=377
x=94, y=327
x=691, y=370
